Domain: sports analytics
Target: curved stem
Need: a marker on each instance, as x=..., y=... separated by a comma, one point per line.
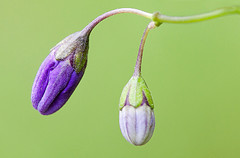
x=160, y=18
x=157, y=17
x=91, y=25
x=137, y=70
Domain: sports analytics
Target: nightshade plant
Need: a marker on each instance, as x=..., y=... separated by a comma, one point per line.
x=63, y=68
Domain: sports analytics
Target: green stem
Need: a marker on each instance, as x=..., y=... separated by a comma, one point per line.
x=159, y=18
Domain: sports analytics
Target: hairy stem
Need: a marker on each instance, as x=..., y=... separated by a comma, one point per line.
x=137, y=70
x=91, y=25
x=160, y=18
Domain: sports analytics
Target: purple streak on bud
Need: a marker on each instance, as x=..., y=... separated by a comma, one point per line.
x=137, y=124
x=144, y=101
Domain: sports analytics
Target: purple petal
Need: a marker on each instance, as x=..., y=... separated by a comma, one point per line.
x=58, y=80
x=64, y=95
x=41, y=79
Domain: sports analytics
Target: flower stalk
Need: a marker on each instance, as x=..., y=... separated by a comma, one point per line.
x=137, y=70
x=100, y=18
x=159, y=18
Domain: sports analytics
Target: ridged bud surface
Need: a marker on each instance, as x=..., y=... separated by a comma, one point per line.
x=60, y=73
x=136, y=116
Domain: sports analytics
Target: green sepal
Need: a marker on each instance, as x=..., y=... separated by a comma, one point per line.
x=79, y=61
x=148, y=95
x=67, y=46
x=71, y=45
x=75, y=48
x=133, y=93
x=124, y=95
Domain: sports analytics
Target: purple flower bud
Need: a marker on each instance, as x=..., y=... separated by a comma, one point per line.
x=60, y=73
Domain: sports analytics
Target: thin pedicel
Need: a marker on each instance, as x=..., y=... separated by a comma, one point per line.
x=136, y=116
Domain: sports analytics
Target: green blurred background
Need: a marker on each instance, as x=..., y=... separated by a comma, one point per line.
x=192, y=70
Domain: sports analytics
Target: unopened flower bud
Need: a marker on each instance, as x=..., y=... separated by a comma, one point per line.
x=136, y=116
x=60, y=73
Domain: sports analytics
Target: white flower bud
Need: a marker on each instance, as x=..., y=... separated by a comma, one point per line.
x=137, y=124
x=136, y=116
